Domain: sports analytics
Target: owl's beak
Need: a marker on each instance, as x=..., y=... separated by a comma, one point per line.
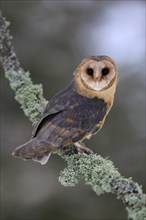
x=97, y=76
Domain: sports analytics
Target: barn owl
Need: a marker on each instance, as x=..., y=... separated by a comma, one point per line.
x=75, y=113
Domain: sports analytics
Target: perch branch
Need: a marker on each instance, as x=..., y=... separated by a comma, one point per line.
x=97, y=172
x=28, y=95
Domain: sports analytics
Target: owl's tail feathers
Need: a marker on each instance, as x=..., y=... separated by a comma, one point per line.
x=31, y=150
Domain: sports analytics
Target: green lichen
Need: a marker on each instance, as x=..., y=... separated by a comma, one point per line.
x=28, y=95
x=137, y=214
x=136, y=206
x=96, y=171
x=103, y=177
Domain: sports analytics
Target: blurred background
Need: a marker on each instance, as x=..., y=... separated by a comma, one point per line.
x=50, y=39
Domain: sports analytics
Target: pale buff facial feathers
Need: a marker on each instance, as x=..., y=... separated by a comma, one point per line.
x=97, y=77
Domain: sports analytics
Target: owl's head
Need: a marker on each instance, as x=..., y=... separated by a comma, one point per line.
x=97, y=73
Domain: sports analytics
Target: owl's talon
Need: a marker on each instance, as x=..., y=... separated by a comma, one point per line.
x=82, y=149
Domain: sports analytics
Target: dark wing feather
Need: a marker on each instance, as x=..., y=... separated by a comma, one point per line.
x=57, y=104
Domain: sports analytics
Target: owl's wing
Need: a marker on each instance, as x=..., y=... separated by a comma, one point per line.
x=72, y=123
x=57, y=104
x=37, y=148
x=46, y=118
x=65, y=128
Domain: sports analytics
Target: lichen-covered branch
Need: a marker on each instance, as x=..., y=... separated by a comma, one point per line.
x=29, y=96
x=103, y=177
x=97, y=172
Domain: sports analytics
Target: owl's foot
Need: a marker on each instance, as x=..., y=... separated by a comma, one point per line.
x=82, y=149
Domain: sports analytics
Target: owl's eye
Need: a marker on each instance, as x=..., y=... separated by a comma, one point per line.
x=90, y=71
x=105, y=71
